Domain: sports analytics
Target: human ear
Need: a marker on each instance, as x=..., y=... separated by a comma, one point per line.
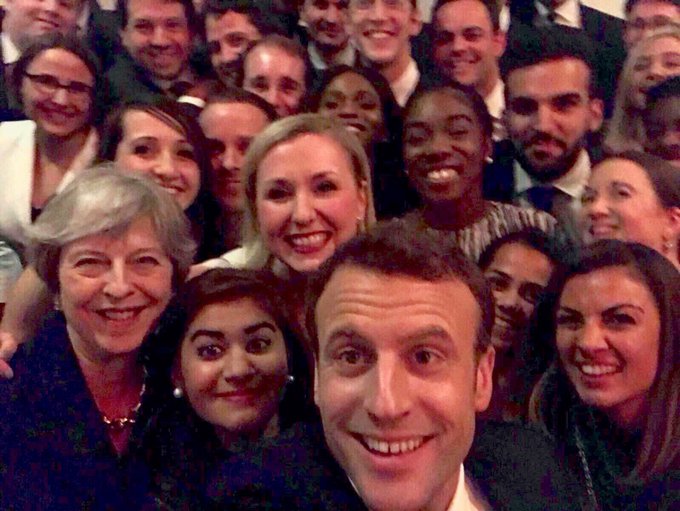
x=484, y=379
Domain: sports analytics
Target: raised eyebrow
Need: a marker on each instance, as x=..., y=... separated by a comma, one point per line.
x=261, y=325
x=205, y=332
x=429, y=332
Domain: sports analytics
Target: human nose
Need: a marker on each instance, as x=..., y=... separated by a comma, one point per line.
x=508, y=298
x=159, y=37
x=117, y=285
x=591, y=337
x=50, y=6
x=237, y=365
x=377, y=11
x=164, y=166
x=387, y=393
x=596, y=206
x=544, y=119
x=348, y=109
x=333, y=14
x=60, y=96
x=303, y=209
x=231, y=158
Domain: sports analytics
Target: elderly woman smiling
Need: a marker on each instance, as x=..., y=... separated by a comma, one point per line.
x=112, y=247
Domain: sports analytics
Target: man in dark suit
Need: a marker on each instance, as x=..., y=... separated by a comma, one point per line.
x=327, y=41
x=401, y=325
x=552, y=108
x=604, y=30
x=22, y=22
x=157, y=38
x=645, y=16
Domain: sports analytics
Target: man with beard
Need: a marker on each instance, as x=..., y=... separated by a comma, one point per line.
x=157, y=36
x=326, y=24
x=552, y=107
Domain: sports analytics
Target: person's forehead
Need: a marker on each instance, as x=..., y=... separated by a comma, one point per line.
x=550, y=78
x=650, y=8
x=230, y=20
x=462, y=13
x=155, y=9
x=439, y=104
x=381, y=306
x=270, y=57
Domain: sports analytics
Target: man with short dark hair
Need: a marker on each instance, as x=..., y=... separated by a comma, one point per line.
x=645, y=16
x=552, y=106
x=231, y=26
x=382, y=32
x=325, y=23
x=157, y=38
x=22, y=22
x=468, y=44
x=400, y=326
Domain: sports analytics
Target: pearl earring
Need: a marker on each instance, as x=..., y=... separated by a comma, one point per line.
x=177, y=393
x=290, y=378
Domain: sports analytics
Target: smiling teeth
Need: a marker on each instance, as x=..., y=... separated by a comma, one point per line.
x=597, y=370
x=440, y=176
x=306, y=241
x=393, y=447
x=119, y=315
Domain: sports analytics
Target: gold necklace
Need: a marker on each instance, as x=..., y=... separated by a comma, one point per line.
x=120, y=423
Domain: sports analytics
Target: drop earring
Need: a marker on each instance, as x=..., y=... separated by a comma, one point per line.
x=290, y=378
x=177, y=393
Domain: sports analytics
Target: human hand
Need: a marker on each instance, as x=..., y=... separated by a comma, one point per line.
x=8, y=346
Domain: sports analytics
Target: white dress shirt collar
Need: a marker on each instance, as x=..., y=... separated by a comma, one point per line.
x=568, y=14
x=406, y=84
x=10, y=52
x=572, y=183
x=347, y=56
x=495, y=103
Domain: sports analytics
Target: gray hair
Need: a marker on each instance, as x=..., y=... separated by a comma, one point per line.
x=282, y=131
x=105, y=199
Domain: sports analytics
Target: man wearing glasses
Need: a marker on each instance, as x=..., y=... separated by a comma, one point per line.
x=645, y=16
x=382, y=32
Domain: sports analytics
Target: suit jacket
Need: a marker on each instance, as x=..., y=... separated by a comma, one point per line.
x=17, y=152
x=297, y=471
x=54, y=450
x=604, y=30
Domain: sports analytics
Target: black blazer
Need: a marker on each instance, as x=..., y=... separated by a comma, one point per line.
x=514, y=467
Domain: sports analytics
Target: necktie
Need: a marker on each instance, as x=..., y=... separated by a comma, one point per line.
x=542, y=197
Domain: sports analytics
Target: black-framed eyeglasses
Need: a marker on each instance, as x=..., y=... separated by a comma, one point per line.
x=49, y=84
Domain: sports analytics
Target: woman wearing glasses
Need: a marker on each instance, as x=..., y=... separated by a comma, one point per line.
x=56, y=81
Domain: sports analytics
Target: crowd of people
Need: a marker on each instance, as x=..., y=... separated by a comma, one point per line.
x=325, y=255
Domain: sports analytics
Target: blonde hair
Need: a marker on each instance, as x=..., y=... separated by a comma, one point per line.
x=281, y=131
x=626, y=130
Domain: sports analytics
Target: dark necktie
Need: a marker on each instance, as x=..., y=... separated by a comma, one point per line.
x=542, y=197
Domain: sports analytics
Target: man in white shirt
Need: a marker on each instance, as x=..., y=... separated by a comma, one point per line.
x=325, y=22
x=467, y=45
x=24, y=20
x=381, y=31
x=552, y=106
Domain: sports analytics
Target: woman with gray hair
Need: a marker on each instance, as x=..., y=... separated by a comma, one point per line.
x=77, y=414
x=308, y=190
